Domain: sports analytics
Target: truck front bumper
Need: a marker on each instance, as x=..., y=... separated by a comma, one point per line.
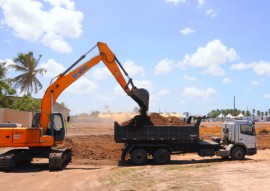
x=252, y=151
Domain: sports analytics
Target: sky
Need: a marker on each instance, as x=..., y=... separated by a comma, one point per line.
x=191, y=55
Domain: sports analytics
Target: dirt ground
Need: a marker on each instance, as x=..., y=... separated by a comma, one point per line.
x=95, y=167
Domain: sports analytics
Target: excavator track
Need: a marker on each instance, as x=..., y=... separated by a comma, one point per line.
x=59, y=159
x=11, y=158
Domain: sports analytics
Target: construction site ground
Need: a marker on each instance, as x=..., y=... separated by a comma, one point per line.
x=96, y=166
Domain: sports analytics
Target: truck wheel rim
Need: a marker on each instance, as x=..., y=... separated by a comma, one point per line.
x=239, y=154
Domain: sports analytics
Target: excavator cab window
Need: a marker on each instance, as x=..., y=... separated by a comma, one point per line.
x=56, y=127
x=56, y=122
x=36, y=120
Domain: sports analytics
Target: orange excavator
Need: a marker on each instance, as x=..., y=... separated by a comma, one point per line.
x=48, y=128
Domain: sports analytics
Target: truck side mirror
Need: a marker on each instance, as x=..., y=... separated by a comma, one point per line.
x=68, y=118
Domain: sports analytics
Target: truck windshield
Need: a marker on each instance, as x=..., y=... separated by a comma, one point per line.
x=247, y=129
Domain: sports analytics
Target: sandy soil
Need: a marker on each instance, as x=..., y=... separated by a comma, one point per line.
x=188, y=172
x=95, y=167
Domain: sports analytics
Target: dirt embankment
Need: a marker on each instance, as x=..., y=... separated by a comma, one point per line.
x=94, y=149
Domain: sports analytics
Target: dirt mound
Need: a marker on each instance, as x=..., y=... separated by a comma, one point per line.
x=92, y=149
x=155, y=119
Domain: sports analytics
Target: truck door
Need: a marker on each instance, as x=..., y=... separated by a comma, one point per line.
x=247, y=135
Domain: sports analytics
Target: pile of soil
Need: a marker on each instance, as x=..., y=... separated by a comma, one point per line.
x=92, y=149
x=155, y=119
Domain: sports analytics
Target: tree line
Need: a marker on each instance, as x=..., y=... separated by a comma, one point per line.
x=26, y=82
x=236, y=112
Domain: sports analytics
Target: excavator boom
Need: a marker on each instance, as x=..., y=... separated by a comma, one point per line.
x=141, y=96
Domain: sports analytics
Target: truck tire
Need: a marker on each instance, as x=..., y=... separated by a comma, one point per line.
x=139, y=157
x=238, y=153
x=162, y=156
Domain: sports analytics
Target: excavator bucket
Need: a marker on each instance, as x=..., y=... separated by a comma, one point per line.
x=141, y=96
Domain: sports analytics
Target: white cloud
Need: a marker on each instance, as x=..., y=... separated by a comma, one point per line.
x=266, y=96
x=82, y=86
x=164, y=66
x=133, y=69
x=138, y=83
x=210, y=57
x=199, y=94
x=53, y=68
x=100, y=73
x=260, y=68
x=226, y=80
x=118, y=90
x=240, y=66
x=67, y=3
x=7, y=62
x=259, y=82
x=211, y=13
x=56, y=43
x=255, y=82
x=201, y=2
x=144, y=84
x=187, y=30
x=176, y=1
x=189, y=78
x=163, y=92
x=30, y=22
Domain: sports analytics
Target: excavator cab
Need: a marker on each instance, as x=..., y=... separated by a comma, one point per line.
x=56, y=126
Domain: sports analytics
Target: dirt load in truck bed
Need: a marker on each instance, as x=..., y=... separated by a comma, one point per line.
x=155, y=119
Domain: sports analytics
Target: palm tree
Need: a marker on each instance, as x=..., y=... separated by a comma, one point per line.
x=5, y=83
x=3, y=70
x=27, y=81
x=5, y=87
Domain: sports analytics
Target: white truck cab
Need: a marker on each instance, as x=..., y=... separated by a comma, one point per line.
x=238, y=139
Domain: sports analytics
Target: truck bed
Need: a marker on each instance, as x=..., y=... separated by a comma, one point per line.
x=123, y=134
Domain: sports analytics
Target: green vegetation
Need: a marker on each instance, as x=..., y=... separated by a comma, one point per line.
x=26, y=103
x=216, y=113
x=5, y=87
x=27, y=81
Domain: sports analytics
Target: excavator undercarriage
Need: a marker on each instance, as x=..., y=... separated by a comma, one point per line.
x=58, y=158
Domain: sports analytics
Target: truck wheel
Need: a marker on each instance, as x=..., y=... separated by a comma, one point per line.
x=162, y=156
x=139, y=157
x=238, y=153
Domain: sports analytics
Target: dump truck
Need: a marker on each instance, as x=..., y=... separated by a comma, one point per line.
x=160, y=142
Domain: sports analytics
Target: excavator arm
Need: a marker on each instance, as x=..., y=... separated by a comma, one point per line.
x=65, y=79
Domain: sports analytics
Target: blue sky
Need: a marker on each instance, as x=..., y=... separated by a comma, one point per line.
x=192, y=55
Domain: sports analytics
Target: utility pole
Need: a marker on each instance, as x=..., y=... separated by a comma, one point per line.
x=234, y=106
